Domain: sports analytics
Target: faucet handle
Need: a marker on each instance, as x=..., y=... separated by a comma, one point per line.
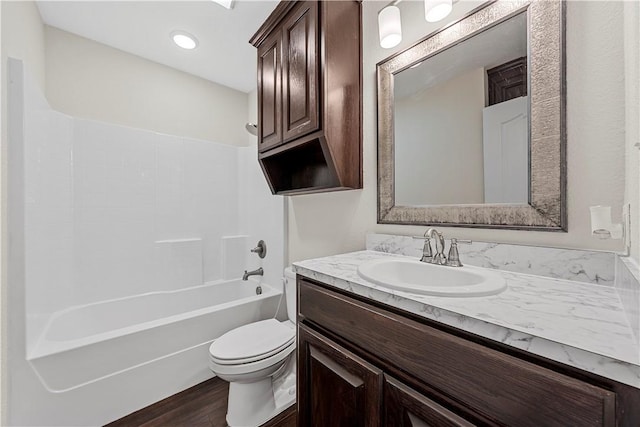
x=427, y=255
x=453, y=259
x=260, y=249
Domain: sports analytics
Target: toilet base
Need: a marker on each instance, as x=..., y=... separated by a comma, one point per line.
x=250, y=404
x=253, y=404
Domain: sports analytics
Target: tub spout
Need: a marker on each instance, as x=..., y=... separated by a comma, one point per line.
x=258, y=272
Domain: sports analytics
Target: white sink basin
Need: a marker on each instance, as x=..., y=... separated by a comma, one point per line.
x=428, y=279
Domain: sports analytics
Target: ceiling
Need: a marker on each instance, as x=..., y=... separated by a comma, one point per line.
x=143, y=28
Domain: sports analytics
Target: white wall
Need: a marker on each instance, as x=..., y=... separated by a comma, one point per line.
x=3, y=362
x=632, y=118
x=262, y=215
x=108, y=210
x=91, y=80
x=331, y=223
x=45, y=196
x=439, y=140
x=22, y=37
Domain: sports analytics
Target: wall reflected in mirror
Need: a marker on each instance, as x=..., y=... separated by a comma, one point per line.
x=461, y=132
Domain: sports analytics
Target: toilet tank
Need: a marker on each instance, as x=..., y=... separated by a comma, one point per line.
x=290, y=292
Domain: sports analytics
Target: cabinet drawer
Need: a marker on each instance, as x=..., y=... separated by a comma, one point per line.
x=502, y=388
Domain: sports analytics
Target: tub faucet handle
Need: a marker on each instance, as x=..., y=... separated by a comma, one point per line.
x=261, y=249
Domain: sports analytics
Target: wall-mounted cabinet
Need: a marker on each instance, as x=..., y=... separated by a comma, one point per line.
x=310, y=96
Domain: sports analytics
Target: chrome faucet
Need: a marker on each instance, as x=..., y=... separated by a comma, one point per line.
x=258, y=272
x=453, y=260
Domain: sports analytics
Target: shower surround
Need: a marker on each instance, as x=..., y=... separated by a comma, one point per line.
x=101, y=216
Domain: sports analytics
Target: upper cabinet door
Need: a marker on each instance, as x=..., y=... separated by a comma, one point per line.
x=270, y=92
x=300, y=68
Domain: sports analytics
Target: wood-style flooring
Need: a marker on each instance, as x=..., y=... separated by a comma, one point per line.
x=204, y=405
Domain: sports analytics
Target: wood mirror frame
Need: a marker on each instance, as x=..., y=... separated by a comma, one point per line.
x=546, y=209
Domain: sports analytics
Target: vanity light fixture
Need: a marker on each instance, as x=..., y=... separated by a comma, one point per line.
x=184, y=40
x=436, y=10
x=390, y=27
x=227, y=4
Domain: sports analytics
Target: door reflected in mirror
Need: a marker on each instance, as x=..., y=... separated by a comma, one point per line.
x=461, y=133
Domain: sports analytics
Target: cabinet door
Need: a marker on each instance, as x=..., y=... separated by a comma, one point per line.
x=269, y=92
x=336, y=388
x=404, y=407
x=300, y=88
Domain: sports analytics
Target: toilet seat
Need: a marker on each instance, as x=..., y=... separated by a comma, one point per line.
x=269, y=363
x=253, y=342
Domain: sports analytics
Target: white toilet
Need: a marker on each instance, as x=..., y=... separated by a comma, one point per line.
x=251, y=356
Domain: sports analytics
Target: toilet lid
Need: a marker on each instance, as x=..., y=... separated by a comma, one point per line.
x=252, y=340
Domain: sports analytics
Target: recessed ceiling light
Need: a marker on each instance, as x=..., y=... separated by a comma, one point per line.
x=225, y=3
x=184, y=40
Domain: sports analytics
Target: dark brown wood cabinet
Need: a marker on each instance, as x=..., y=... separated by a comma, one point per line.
x=310, y=96
x=343, y=389
x=300, y=72
x=404, y=407
x=269, y=88
x=357, y=357
x=507, y=81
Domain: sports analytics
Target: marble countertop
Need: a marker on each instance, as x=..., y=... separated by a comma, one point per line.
x=579, y=324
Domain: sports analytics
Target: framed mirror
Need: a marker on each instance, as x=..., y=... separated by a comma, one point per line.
x=471, y=122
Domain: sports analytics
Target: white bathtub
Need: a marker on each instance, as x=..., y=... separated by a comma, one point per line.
x=84, y=345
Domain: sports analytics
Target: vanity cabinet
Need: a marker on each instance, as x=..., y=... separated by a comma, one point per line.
x=343, y=389
x=364, y=363
x=310, y=96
